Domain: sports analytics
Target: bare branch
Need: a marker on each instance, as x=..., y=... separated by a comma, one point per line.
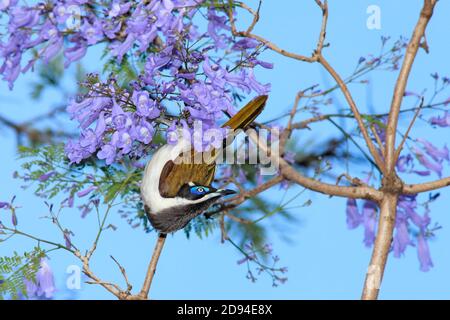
x=111, y=287
x=354, y=108
x=152, y=266
x=357, y=192
x=402, y=80
x=377, y=139
x=271, y=45
x=124, y=274
x=237, y=219
x=425, y=187
x=289, y=173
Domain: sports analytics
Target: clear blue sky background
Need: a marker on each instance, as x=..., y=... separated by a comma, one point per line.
x=325, y=259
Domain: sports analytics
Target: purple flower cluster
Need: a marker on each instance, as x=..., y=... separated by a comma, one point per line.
x=408, y=225
x=441, y=121
x=181, y=69
x=73, y=25
x=368, y=218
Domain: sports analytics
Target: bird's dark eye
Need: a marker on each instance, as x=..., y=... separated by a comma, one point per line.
x=199, y=190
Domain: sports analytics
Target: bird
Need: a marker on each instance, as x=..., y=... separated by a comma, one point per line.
x=174, y=193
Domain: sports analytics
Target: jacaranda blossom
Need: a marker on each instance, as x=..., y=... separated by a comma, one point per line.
x=43, y=286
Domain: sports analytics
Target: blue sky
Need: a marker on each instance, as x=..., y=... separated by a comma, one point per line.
x=325, y=259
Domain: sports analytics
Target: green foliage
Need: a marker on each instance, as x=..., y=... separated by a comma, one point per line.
x=14, y=270
x=49, y=173
x=201, y=226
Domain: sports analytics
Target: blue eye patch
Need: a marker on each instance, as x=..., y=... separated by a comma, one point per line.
x=199, y=190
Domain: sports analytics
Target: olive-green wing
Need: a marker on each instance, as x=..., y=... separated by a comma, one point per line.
x=174, y=176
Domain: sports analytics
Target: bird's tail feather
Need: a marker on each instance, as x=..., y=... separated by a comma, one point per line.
x=247, y=114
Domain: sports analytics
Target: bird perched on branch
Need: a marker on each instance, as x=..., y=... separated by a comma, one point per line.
x=176, y=191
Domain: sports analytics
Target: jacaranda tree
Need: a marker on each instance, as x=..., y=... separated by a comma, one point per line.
x=173, y=64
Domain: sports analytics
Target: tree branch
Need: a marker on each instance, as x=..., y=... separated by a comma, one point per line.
x=381, y=247
x=392, y=185
x=289, y=173
x=411, y=124
x=357, y=192
x=427, y=186
x=402, y=80
x=271, y=45
x=354, y=108
x=152, y=266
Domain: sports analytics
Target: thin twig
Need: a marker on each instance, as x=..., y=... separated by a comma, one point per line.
x=124, y=274
x=377, y=139
x=400, y=147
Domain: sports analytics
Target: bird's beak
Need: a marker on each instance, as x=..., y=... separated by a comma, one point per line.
x=225, y=192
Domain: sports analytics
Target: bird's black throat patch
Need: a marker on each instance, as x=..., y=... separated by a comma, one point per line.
x=176, y=218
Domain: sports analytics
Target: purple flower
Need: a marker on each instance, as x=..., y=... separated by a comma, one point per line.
x=92, y=32
x=245, y=43
x=264, y=64
x=120, y=119
x=52, y=49
x=354, y=218
x=405, y=163
x=123, y=140
x=217, y=23
x=427, y=163
x=70, y=201
x=5, y=4
x=91, y=138
x=119, y=49
x=154, y=63
x=401, y=238
x=144, y=132
x=86, y=191
x=4, y=205
x=75, y=152
x=421, y=172
x=11, y=69
x=369, y=214
x=23, y=17
x=107, y=152
x=145, y=107
x=74, y=54
x=435, y=153
x=423, y=253
x=43, y=286
x=46, y=176
x=256, y=86
x=441, y=121
x=118, y=8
